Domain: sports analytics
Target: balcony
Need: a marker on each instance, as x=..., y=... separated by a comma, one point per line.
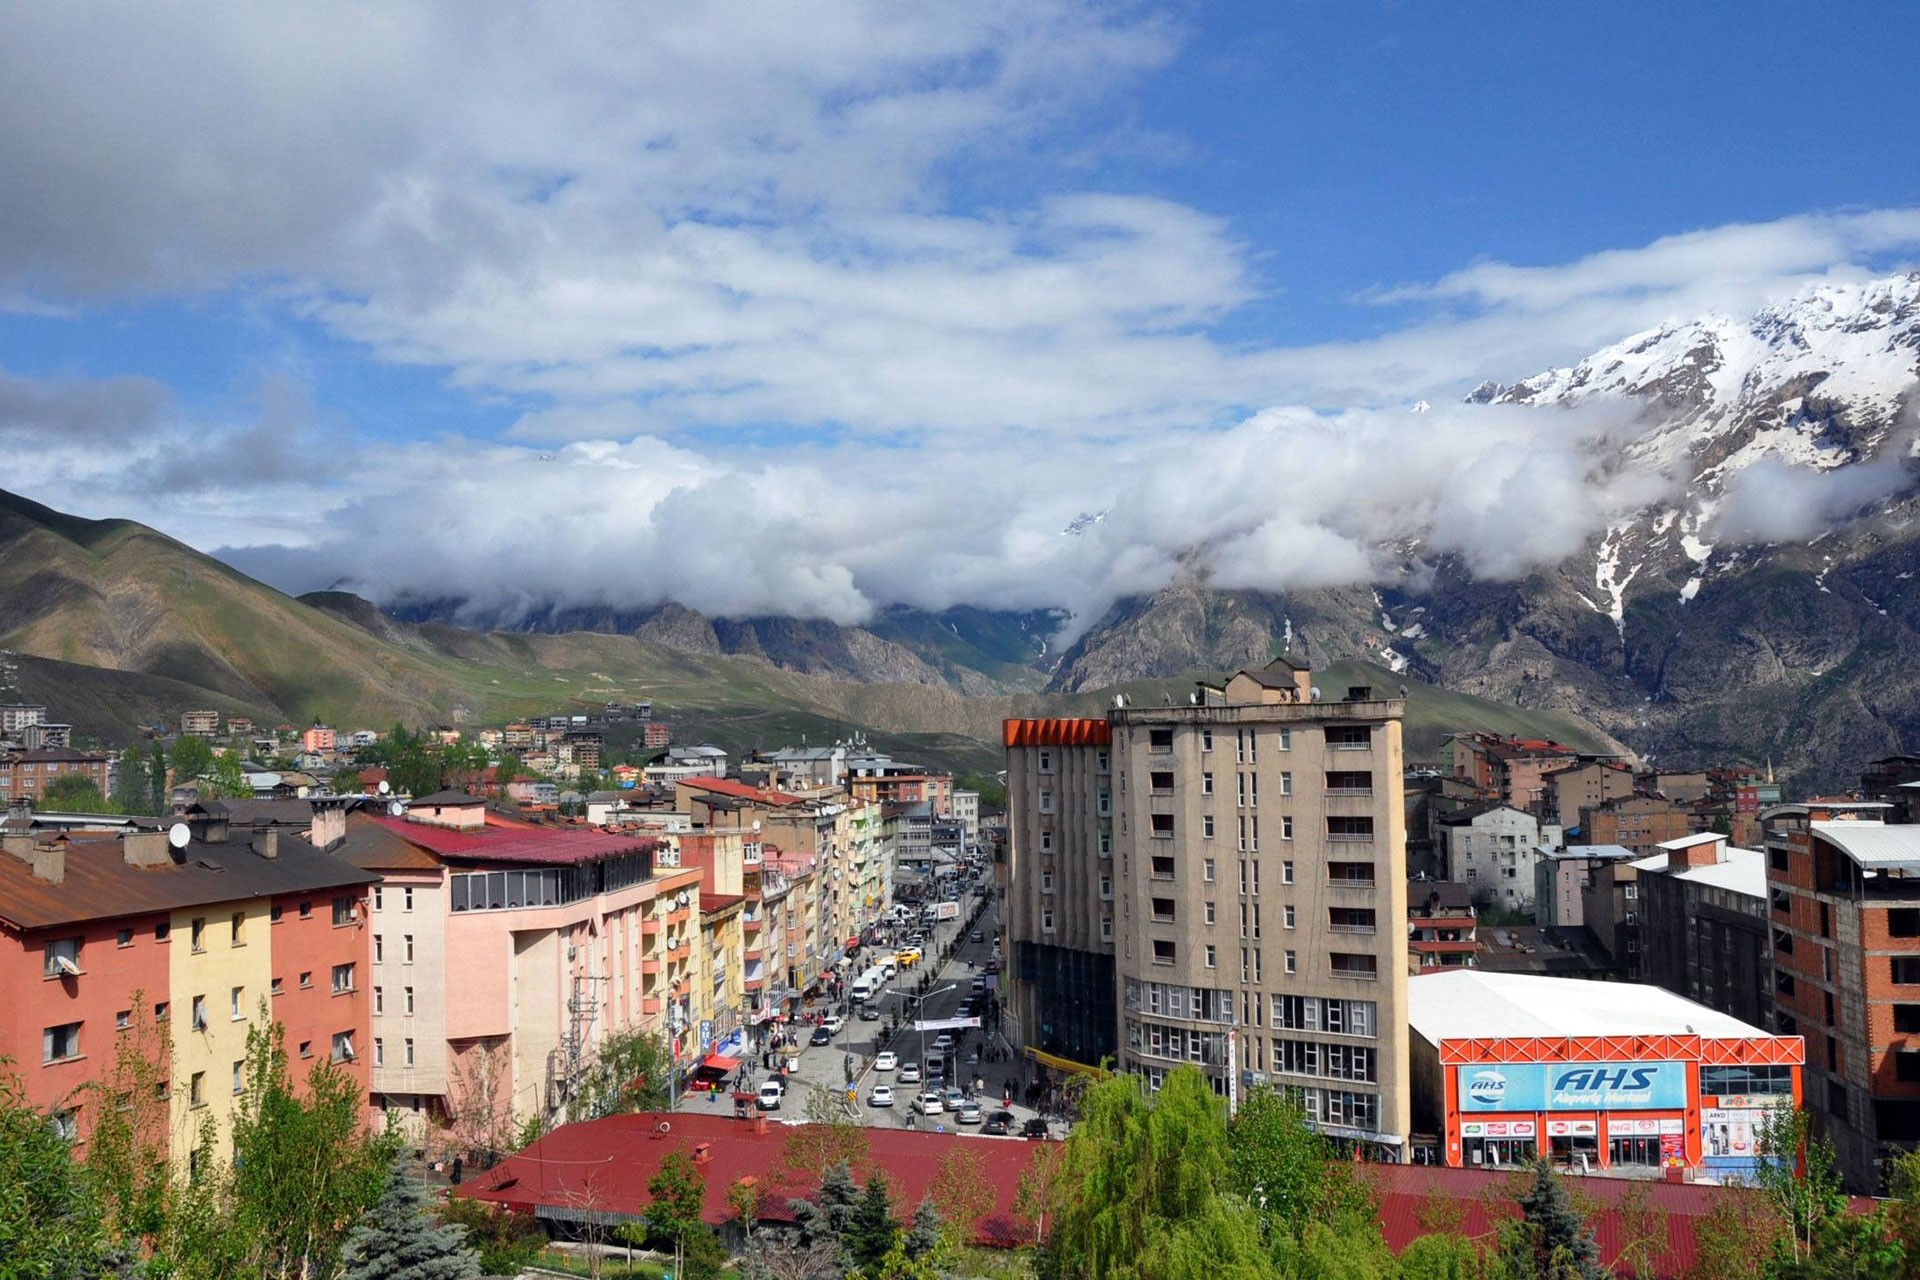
x=650, y=966
x=680, y=915
x=650, y=928
x=649, y=1004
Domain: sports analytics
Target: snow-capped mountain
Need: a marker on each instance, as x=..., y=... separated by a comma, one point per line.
x=1761, y=605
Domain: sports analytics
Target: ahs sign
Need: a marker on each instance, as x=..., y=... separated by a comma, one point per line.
x=1587, y=1086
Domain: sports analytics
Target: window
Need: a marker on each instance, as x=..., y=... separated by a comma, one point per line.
x=239, y=1077
x=1106, y=928
x=1350, y=830
x=1163, y=951
x=343, y=912
x=1286, y=873
x=237, y=998
x=1046, y=762
x=1903, y=922
x=306, y=1048
x=1213, y=957
x=1349, y=737
x=1046, y=801
x=343, y=1046
x=1287, y=915
x=1291, y=962
x=1163, y=909
x=1240, y=826
x=1286, y=785
x=1046, y=842
x=125, y=938
x=407, y=947
x=379, y=904
x=1162, y=826
x=197, y=1089
x=1206, y=869
x=1350, y=873
x=122, y=1020
x=237, y=929
x=1206, y=783
x=379, y=1052
x=276, y=987
x=379, y=1004
x=1163, y=866
x=274, y=913
x=199, y=1013
x=1346, y=964
x=1159, y=739
x=1906, y=970
x=1783, y=982
x=66, y=1125
x=63, y=958
x=57, y=1044
x=1349, y=782
x=342, y=979
x=1350, y=919
x=1906, y=1019
x=199, y=933
x=1206, y=739
x=160, y=1010
x=306, y=910
x=379, y=948
x=1906, y=1065
x=1209, y=913
x=409, y=1005
x=406, y=899
x=409, y=1051
x=1782, y=942
x=1161, y=782
x=1046, y=921
x=306, y=980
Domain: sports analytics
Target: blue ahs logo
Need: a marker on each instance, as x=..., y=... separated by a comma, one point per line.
x=1489, y=1088
x=1620, y=1079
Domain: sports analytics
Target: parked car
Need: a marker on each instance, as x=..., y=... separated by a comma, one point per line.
x=953, y=1099
x=882, y=1096
x=833, y=1022
x=870, y=1012
x=928, y=1103
x=1037, y=1129
x=944, y=1041
x=769, y=1096
x=996, y=1128
x=909, y=1073
x=969, y=1113
x=887, y=1060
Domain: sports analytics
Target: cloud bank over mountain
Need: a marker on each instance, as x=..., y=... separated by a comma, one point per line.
x=756, y=334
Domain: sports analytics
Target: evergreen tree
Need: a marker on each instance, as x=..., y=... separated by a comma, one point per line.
x=1551, y=1241
x=132, y=788
x=824, y=1219
x=398, y=1240
x=157, y=780
x=924, y=1236
x=871, y=1232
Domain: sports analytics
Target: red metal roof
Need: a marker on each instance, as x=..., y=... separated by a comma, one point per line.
x=741, y=791
x=1058, y=733
x=605, y=1165
x=547, y=845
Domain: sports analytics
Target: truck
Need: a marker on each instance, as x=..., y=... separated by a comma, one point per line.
x=947, y=911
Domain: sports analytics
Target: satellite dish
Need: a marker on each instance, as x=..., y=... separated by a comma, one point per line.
x=756, y=826
x=178, y=834
x=385, y=786
x=1314, y=693
x=395, y=809
x=683, y=897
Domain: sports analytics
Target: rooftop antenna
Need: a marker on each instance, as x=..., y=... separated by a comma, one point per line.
x=1314, y=693
x=178, y=834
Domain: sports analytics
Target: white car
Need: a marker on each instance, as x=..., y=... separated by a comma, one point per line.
x=909, y=1074
x=769, y=1099
x=882, y=1096
x=833, y=1022
x=928, y=1103
x=887, y=1061
x=944, y=1042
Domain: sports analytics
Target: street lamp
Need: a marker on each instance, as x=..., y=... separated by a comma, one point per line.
x=921, y=1000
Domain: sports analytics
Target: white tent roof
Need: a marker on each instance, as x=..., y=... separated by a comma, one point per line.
x=1742, y=871
x=1471, y=1003
x=1873, y=845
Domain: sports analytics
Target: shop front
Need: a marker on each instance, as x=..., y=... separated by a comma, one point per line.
x=1498, y=1144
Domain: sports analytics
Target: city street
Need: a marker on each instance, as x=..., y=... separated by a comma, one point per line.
x=825, y=1066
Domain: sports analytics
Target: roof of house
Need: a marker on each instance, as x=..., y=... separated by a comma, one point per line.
x=57, y=755
x=1874, y=845
x=1740, y=871
x=604, y=1166
x=742, y=791
x=1687, y=842
x=371, y=845
x=546, y=846
x=99, y=884
x=1589, y=853
x=450, y=798
x=1471, y=1004
x=1448, y=895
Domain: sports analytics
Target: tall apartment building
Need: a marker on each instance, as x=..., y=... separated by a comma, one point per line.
x=1136, y=850
x=1704, y=924
x=1843, y=897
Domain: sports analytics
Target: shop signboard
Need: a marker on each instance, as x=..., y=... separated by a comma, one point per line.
x=1497, y=1129
x=1573, y=1086
x=1573, y=1128
x=1642, y=1126
x=1732, y=1133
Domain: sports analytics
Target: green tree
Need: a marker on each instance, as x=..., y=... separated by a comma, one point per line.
x=127, y=1149
x=1550, y=1240
x=229, y=778
x=132, y=787
x=629, y=1073
x=1142, y=1189
x=51, y=1222
x=507, y=1243
x=673, y=1219
x=1443, y=1255
x=1739, y=1236
x=190, y=758
x=923, y=1238
x=1286, y=1171
x=1797, y=1170
x=304, y=1165
x=962, y=1193
x=398, y=1240
x=872, y=1232
x=73, y=793
x=157, y=779
x=825, y=1218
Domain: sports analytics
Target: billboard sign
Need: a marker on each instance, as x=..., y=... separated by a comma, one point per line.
x=1573, y=1086
x=945, y=1024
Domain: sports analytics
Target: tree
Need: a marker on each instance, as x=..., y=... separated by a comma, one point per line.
x=190, y=757
x=304, y=1166
x=629, y=1072
x=827, y=1138
x=1797, y=1171
x=871, y=1231
x=507, y=1242
x=1286, y=1171
x=51, y=1223
x=157, y=779
x=923, y=1238
x=1550, y=1240
x=132, y=787
x=962, y=1193
x=73, y=793
x=826, y=1216
x=1141, y=1192
x=398, y=1240
x=1036, y=1189
x=1643, y=1233
x=1442, y=1255
x=743, y=1197
x=483, y=1125
x=127, y=1148
x=229, y=778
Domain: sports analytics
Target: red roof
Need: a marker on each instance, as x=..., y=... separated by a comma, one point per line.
x=515, y=843
x=1058, y=733
x=605, y=1165
x=1404, y=1189
x=741, y=791
x=711, y=902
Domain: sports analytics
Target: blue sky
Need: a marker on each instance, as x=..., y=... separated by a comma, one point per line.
x=963, y=268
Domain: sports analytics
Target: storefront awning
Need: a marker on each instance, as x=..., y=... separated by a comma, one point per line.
x=718, y=1062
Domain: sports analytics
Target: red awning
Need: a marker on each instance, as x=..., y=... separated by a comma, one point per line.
x=719, y=1062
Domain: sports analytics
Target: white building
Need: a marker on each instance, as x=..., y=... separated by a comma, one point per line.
x=1492, y=850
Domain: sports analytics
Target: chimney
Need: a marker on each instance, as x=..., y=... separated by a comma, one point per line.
x=329, y=825
x=268, y=846
x=48, y=858
x=146, y=849
x=1704, y=854
x=703, y=1153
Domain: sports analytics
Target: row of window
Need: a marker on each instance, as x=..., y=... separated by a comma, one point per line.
x=547, y=886
x=62, y=1043
x=1329, y=1014
x=63, y=954
x=1172, y=1000
x=1246, y=744
x=1328, y=1061
x=1152, y=1040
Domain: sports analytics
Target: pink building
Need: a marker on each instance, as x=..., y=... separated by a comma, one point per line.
x=318, y=738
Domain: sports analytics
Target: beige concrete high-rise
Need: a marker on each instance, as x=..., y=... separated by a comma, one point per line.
x=1221, y=883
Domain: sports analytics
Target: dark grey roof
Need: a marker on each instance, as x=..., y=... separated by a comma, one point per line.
x=450, y=797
